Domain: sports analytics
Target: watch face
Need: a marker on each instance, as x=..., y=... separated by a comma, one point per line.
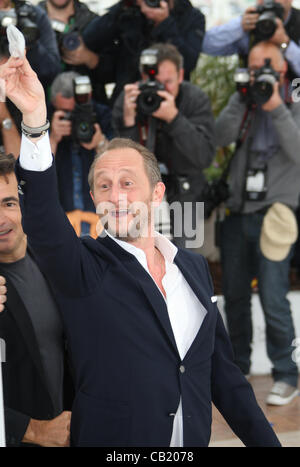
x=7, y=124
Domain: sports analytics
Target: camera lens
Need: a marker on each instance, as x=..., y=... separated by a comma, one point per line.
x=71, y=41
x=148, y=102
x=153, y=3
x=266, y=25
x=262, y=89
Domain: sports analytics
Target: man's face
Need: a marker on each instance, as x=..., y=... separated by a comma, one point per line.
x=259, y=54
x=64, y=103
x=123, y=195
x=11, y=231
x=170, y=77
x=60, y=4
x=5, y=4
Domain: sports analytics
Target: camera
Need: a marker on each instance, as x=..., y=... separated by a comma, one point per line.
x=213, y=194
x=69, y=37
x=266, y=24
x=153, y=3
x=82, y=117
x=262, y=87
x=24, y=17
x=149, y=101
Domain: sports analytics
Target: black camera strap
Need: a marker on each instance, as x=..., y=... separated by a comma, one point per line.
x=147, y=132
x=243, y=132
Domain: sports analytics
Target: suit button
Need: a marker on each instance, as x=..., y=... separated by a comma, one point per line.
x=182, y=369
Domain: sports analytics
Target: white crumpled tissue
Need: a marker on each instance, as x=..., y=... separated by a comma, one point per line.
x=16, y=42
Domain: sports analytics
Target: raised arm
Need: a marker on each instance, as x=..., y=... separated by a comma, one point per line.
x=57, y=249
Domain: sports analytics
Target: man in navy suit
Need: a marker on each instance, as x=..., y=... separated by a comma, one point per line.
x=148, y=345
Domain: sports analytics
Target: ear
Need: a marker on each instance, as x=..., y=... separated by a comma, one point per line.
x=181, y=75
x=92, y=196
x=158, y=193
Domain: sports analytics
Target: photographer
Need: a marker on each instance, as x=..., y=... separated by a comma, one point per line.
x=180, y=130
x=131, y=26
x=78, y=131
x=68, y=19
x=277, y=22
x=259, y=229
x=42, y=51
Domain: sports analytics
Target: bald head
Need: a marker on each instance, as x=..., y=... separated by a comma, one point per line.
x=264, y=50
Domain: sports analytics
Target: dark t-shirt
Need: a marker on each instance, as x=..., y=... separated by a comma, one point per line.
x=46, y=321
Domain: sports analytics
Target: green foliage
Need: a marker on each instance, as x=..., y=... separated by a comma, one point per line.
x=215, y=76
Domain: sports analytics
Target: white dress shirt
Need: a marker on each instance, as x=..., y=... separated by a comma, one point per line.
x=186, y=312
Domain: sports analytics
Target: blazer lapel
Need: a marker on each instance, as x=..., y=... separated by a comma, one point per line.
x=203, y=296
x=158, y=304
x=15, y=306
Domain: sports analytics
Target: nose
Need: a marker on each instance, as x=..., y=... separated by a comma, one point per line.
x=116, y=196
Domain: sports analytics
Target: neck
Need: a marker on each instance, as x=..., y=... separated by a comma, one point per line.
x=62, y=14
x=18, y=253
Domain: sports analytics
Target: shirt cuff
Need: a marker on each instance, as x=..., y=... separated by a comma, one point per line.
x=36, y=156
x=292, y=54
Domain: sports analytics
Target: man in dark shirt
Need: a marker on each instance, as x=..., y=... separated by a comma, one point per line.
x=31, y=327
x=131, y=26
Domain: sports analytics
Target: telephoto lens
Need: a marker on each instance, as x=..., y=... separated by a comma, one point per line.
x=153, y=3
x=263, y=86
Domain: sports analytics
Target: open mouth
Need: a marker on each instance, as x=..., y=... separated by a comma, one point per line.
x=4, y=233
x=120, y=213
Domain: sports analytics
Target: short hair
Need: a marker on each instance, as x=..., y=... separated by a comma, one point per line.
x=7, y=165
x=166, y=51
x=149, y=159
x=63, y=84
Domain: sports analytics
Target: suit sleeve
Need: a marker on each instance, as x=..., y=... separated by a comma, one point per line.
x=44, y=56
x=63, y=259
x=16, y=425
x=233, y=395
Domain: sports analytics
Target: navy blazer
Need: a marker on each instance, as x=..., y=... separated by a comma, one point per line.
x=129, y=375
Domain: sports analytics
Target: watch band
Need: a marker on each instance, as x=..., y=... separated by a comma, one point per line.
x=283, y=47
x=35, y=132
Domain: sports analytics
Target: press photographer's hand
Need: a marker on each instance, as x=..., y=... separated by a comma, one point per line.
x=98, y=136
x=157, y=15
x=280, y=36
x=59, y=129
x=249, y=19
x=80, y=56
x=131, y=93
x=167, y=110
x=275, y=100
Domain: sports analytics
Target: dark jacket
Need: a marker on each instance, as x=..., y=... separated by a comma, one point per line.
x=43, y=56
x=25, y=390
x=186, y=145
x=129, y=375
x=77, y=23
x=121, y=35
